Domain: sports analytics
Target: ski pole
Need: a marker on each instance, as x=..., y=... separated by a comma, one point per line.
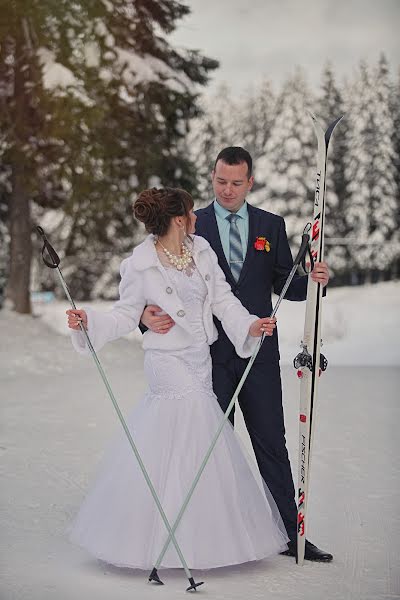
x=54, y=264
x=304, y=245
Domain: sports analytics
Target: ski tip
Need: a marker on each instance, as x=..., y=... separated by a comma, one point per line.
x=319, y=131
x=331, y=127
x=311, y=114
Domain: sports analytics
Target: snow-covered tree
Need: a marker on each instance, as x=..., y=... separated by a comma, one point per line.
x=288, y=163
x=363, y=161
x=395, y=108
x=4, y=258
x=228, y=121
x=216, y=128
x=257, y=114
x=95, y=104
x=372, y=208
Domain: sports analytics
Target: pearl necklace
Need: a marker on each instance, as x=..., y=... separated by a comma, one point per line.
x=179, y=262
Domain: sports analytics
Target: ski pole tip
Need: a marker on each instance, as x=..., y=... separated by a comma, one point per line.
x=155, y=577
x=193, y=585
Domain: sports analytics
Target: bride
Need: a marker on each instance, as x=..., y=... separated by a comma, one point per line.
x=231, y=517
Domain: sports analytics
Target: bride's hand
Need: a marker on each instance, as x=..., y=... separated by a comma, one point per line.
x=75, y=317
x=265, y=325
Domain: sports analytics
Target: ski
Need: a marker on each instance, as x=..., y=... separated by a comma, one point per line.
x=310, y=362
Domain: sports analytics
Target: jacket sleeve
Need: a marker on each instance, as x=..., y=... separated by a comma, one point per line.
x=283, y=265
x=123, y=318
x=234, y=317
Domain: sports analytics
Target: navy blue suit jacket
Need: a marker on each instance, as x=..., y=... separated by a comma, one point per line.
x=262, y=273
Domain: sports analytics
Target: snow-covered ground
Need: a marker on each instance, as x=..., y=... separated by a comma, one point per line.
x=56, y=420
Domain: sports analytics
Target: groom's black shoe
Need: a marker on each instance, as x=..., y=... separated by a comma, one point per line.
x=311, y=552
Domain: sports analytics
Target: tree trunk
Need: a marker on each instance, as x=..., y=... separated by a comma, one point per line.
x=19, y=215
x=20, y=244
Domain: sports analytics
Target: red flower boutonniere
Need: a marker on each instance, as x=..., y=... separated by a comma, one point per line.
x=262, y=243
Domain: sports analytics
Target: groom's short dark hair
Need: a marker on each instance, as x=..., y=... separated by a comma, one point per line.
x=235, y=155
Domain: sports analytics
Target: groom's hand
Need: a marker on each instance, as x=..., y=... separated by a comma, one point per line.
x=156, y=322
x=320, y=273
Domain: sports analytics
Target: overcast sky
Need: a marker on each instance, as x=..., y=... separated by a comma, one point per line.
x=269, y=37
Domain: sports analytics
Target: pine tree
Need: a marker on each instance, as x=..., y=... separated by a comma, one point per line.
x=101, y=103
x=215, y=129
x=395, y=110
x=228, y=121
x=385, y=200
x=256, y=117
x=4, y=258
x=23, y=115
x=288, y=164
x=4, y=235
x=371, y=210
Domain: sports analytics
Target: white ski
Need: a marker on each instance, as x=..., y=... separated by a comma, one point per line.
x=310, y=362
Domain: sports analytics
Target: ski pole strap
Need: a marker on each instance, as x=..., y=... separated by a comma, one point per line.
x=305, y=248
x=305, y=244
x=50, y=250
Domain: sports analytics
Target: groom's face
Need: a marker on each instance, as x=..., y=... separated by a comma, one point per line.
x=231, y=184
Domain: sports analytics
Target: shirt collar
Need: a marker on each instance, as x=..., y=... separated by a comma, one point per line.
x=223, y=213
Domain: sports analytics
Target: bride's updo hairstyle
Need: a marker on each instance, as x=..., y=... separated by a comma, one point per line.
x=156, y=207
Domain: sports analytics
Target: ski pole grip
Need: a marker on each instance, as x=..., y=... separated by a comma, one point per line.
x=50, y=250
x=305, y=238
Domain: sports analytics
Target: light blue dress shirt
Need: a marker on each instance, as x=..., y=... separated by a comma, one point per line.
x=224, y=225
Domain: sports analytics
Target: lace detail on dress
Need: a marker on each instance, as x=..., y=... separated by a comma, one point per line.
x=181, y=374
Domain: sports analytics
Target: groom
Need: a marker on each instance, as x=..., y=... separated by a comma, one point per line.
x=253, y=252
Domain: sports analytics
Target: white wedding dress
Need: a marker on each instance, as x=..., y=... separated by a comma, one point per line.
x=231, y=517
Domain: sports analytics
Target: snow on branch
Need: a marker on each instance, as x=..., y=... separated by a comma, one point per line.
x=58, y=77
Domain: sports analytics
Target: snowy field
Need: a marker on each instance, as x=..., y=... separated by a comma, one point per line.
x=56, y=419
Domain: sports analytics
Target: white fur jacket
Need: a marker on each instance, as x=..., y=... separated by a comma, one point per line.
x=144, y=281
